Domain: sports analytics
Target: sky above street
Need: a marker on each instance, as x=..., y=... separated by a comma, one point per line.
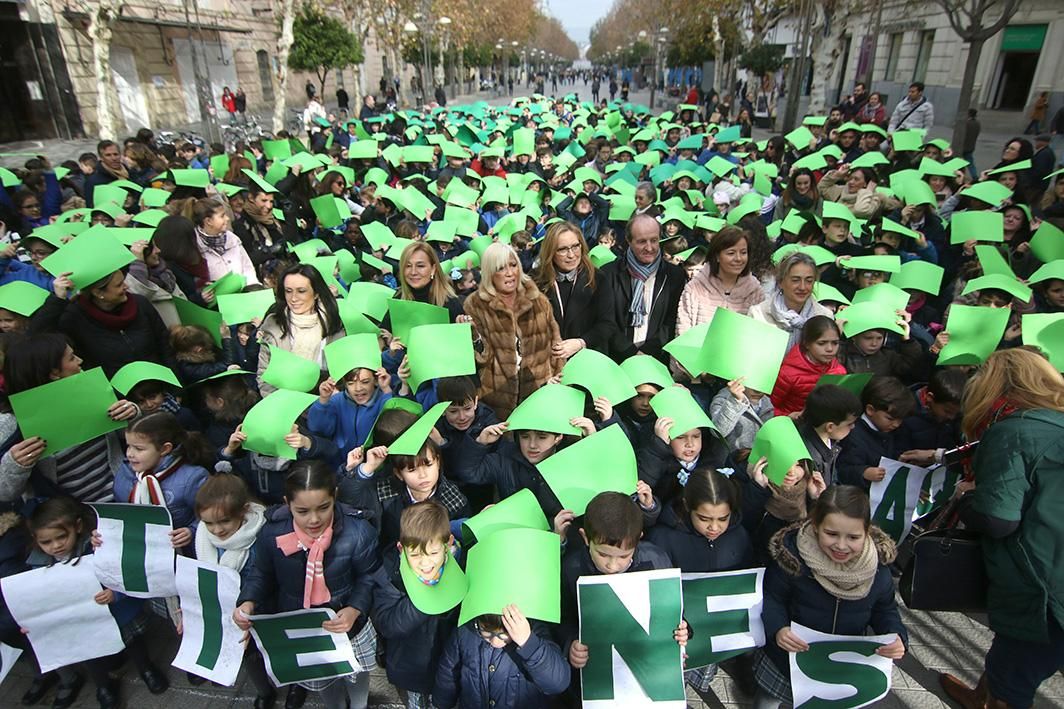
x=578, y=16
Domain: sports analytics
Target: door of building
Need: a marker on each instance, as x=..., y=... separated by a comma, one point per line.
x=1021, y=47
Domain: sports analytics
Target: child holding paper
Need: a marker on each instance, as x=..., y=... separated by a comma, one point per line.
x=830, y=414
x=196, y=354
x=703, y=533
x=165, y=465
x=814, y=356
x=415, y=601
x=315, y=552
x=829, y=573
x=229, y=524
x=668, y=460
x=346, y=413
x=464, y=419
x=886, y=403
x=866, y=352
x=738, y=412
x=416, y=477
x=62, y=529
x=613, y=527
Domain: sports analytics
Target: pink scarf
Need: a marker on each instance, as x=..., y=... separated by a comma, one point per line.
x=315, y=592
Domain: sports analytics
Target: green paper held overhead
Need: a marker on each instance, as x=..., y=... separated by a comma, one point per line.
x=1046, y=332
x=851, y=382
x=739, y=346
x=644, y=369
x=974, y=333
x=356, y=323
x=870, y=315
x=356, y=351
x=229, y=283
x=408, y=314
x=677, y=404
x=780, y=443
x=448, y=591
x=599, y=374
x=443, y=350
x=687, y=348
x=1047, y=244
x=549, y=408
x=499, y=575
x=192, y=314
x=22, y=297
x=602, y=462
x=976, y=226
x=270, y=420
x=370, y=298
x=290, y=371
x=88, y=260
x=413, y=438
x=85, y=398
x=395, y=403
x=136, y=372
x=237, y=308
x=519, y=510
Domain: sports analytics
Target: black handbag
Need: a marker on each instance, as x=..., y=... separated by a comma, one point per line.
x=946, y=570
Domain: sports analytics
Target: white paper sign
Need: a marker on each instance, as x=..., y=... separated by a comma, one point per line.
x=842, y=669
x=320, y=654
x=895, y=497
x=136, y=557
x=55, y=604
x=8, y=656
x=211, y=643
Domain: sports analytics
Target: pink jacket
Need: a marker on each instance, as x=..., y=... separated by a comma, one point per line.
x=705, y=293
x=232, y=259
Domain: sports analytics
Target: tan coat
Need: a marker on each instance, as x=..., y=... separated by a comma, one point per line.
x=506, y=376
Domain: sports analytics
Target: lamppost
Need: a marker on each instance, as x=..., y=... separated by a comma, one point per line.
x=445, y=23
x=659, y=45
x=426, y=68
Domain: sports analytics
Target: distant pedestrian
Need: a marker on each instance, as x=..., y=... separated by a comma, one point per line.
x=369, y=108
x=913, y=111
x=309, y=88
x=342, y=100
x=229, y=104
x=971, y=135
x=613, y=89
x=595, y=86
x=1037, y=114
x=241, y=100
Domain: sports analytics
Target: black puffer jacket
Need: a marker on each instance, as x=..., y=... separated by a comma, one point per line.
x=145, y=339
x=792, y=595
x=694, y=553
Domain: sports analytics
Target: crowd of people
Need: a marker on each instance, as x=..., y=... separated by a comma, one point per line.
x=544, y=229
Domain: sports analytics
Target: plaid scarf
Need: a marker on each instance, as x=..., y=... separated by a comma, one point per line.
x=214, y=243
x=640, y=273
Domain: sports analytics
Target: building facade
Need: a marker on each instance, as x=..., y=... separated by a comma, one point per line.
x=48, y=86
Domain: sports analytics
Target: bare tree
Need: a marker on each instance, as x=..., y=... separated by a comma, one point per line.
x=967, y=18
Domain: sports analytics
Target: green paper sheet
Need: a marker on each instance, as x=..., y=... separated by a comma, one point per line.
x=219, y=166
x=779, y=441
x=395, y=403
x=191, y=178
x=499, y=575
x=800, y=138
x=989, y=192
x=419, y=154
x=974, y=333
x=978, y=226
x=290, y=371
x=151, y=217
x=136, y=372
x=109, y=193
x=378, y=235
x=1046, y=332
x=277, y=149
x=1053, y=269
x=601, y=255
x=919, y=275
x=549, y=408
x=363, y=150
x=88, y=260
x=851, y=382
x=644, y=369
x=465, y=221
x=440, y=597
x=370, y=298
x=824, y=292
x=520, y=510
x=229, y=283
x=908, y=140
x=192, y=314
x=408, y=314
x=992, y=261
x=22, y=297
x=732, y=134
x=442, y=350
x=602, y=462
x=1014, y=167
x=882, y=263
x=687, y=348
x=270, y=420
x=862, y=317
x=740, y=346
x=327, y=209
x=359, y=351
x=154, y=197
x=889, y=296
x=1009, y=284
x=1047, y=244
x=237, y=308
x=599, y=374
x=310, y=249
x=677, y=404
x=413, y=438
x=355, y=323
x=68, y=411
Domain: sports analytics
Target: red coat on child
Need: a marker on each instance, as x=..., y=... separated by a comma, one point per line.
x=798, y=376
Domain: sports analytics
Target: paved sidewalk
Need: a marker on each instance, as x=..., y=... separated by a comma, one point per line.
x=939, y=642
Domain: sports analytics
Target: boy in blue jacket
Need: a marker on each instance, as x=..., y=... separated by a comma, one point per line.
x=415, y=601
x=346, y=410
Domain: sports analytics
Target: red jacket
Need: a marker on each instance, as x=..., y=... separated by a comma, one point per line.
x=798, y=376
x=478, y=167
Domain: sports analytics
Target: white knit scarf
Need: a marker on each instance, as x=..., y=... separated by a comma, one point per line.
x=235, y=549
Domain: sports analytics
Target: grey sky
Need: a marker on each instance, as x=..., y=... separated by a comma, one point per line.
x=577, y=16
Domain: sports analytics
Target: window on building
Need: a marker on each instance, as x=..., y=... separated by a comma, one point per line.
x=923, y=55
x=265, y=75
x=892, y=56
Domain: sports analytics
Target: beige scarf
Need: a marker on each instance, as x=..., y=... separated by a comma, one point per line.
x=850, y=581
x=788, y=504
x=259, y=216
x=306, y=335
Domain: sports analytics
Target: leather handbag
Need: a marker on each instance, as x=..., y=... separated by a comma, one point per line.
x=946, y=570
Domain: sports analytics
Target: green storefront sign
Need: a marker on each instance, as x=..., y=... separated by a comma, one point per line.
x=1023, y=38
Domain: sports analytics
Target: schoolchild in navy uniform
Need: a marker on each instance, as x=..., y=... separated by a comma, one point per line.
x=831, y=574
x=314, y=552
x=830, y=413
x=462, y=423
x=886, y=403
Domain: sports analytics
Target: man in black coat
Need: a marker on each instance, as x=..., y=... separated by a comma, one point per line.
x=639, y=296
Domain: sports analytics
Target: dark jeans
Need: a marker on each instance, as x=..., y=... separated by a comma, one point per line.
x=1016, y=668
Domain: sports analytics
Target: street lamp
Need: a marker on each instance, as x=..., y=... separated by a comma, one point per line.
x=445, y=23
x=659, y=45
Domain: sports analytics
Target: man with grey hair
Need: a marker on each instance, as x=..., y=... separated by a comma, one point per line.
x=639, y=295
x=646, y=194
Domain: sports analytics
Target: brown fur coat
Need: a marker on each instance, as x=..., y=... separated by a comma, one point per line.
x=507, y=377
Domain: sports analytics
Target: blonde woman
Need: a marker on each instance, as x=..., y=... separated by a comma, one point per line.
x=514, y=331
x=1014, y=407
